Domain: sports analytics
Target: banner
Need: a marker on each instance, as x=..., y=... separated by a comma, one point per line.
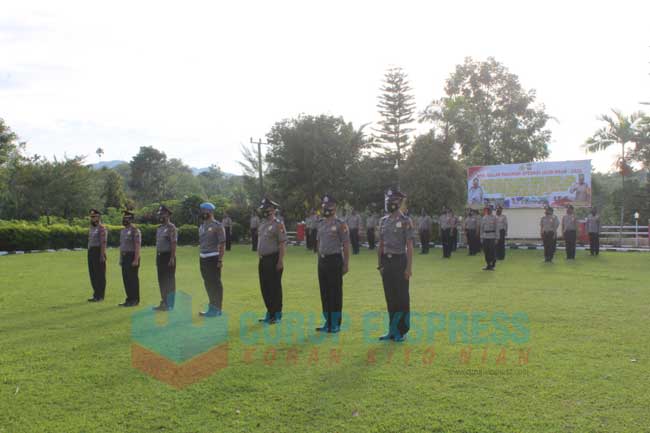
x=530, y=185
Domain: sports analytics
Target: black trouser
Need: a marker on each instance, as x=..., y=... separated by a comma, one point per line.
x=445, y=237
x=313, y=239
x=97, y=271
x=308, y=239
x=371, y=238
x=271, y=283
x=211, y=274
x=489, y=249
x=425, y=238
x=594, y=243
x=570, y=243
x=354, y=240
x=471, y=242
x=454, y=239
x=501, y=245
x=330, y=280
x=254, y=239
x=396, y=290
x=228, y=231
x=549, y=245
x=166, y=279
x=130, y=278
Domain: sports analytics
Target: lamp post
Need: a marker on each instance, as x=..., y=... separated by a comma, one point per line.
x=636, y=235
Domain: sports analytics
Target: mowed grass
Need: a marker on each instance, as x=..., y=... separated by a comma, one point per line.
x=65, y=364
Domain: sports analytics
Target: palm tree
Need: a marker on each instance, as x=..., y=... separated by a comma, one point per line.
x=621, y=130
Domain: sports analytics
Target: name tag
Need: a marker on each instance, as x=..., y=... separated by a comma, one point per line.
x=333, y=228
x=270, y=228
x=398, y=225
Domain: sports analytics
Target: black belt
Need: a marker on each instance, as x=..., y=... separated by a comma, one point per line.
x=489, y=231
x=270, y=254
x=328, y=256
x=390, y=256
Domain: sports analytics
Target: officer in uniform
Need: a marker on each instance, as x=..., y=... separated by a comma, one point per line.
x=212, y=240
x=166, y=239
x=454, y=231
x=354, y=222
x=395, y=257
x=333, y=243
x=488, y=234
x=569, y=231
x=502, y=232
x=313, y=230
x=371, y=225
x=130, y=242
x=271, y=249
x=424, y=229
x=255, y=222
x=593, y=228
x=308, y=238
x=548, y=232
x=227, y=226
x=97, y=235
x=445, y=232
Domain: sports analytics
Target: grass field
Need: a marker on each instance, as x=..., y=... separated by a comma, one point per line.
x=65, y=365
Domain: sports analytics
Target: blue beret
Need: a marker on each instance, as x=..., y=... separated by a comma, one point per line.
x=208, y=206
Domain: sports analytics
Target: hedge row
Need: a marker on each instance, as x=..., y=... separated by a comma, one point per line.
x=20, y=236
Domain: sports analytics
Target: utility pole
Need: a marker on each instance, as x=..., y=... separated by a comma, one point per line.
x=259, y=143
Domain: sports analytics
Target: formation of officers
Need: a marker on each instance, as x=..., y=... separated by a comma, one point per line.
x=333, y=238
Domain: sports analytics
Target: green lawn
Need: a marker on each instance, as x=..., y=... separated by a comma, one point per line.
x=65, y=365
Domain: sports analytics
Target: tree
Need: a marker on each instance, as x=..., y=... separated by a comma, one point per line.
x=113, y=193
x=622, y=131
x=396, y=108
x=8, y=143
x=99, y=152
x=212, y=180
x=488, y=114
x=371, y=177
x=149, y=180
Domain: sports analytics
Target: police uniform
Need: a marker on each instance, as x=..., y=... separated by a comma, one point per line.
x=445, y=223
x=333, y=242
x=313, y=231
x=454, y=232
x=354, y=222
x=471, y=231
x=255, y=223
x=227, y=226
x=212, y=237
x=97, y=238
x=569, y=231
x=424, y=229
x=488, y=230
x=371, y=226
x=548, y=228
x=396, y=236
x=130, y=242
x=593, y=228
x=272, y=239
x=502, y=232
x=166, y=240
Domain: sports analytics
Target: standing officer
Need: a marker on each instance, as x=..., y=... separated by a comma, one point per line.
x=166, y=239
x=227, y=226
x=212, y=239
x=395, y=257
x=371, y=225
x=424, y=228
x=313, y=229
x=445, y=232
x=488, y=234
x=593, y=228
x=354, y=222
x=97, y=235
x=130, y=242
x=454, y=231
x=308, y=238
x=502, y=232
x=470, y=232
x=271, y=249
x=333, y=243
x=548, y=232
x=569, y=230
x=255, y=222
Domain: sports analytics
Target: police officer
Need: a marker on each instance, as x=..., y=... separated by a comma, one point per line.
x=271, y=249
x=333, y=243
x=354, y=222
x=424, y=229
x=444, y=225
x=593, y=228
x=227, y=226
x=502, y=232
x=97, y=235
x=395, y=257
x=212, y=240
x=488, y=234
x=254, y=223
x=471, y=231
x=130, y=242
x=569, y=231
x=313, y=230
x=166, y=239
x=548, y=232
x=308, y=238
x=371, y=226
x=454, y=231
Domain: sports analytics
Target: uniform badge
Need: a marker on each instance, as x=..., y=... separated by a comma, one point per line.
x=398, y=225
x=209, y=229
x=333, y=228
x=270, y=228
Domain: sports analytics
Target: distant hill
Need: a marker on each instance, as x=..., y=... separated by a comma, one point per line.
x=115, y=163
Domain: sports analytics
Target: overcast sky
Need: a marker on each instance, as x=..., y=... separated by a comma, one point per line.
x=198, y=79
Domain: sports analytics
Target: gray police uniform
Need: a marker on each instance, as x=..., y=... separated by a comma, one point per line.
x=313, y=231
x=255, y=223
x=166, y=234
x=548, y=227
x=371, y=225
x=227, y=226
x=272, y=234
x=593, y=228
x=488, y=237
x=446, y=224
x=502, y=232
x=570, y=229
x=211, y=236
x=354, y=222
x=96, y=267
x=424, y=227
x=331, y=237
x=394, y=234
x=130, y=237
